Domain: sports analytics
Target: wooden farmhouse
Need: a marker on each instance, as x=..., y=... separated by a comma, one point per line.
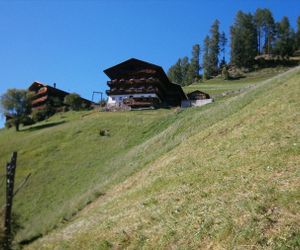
x=139, y=84
x=45, y=94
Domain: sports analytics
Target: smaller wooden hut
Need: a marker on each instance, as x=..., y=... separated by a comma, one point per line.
x=196, y=98
x=198, y=95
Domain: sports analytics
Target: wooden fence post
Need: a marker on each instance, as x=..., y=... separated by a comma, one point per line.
x=10, y=178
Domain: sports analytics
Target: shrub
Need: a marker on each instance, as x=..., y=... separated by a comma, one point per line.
x=74, y=101
x=39, y=115
x=225, y=73
x=9, y=123
x=27, y=120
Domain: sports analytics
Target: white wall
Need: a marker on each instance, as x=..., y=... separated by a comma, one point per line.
x=195, y=103
x=116, y=99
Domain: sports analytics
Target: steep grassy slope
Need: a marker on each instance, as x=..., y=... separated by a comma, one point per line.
x=71, y=163
x=221, y=176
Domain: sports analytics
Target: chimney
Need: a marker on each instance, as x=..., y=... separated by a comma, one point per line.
x=54, y=85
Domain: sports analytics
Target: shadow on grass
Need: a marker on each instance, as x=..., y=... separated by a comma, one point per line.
x=234, y=78
x=42, y=126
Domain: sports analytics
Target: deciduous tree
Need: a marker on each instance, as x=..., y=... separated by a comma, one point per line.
x=16, y=103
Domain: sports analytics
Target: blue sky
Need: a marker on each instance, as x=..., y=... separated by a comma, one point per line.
x=71, y=42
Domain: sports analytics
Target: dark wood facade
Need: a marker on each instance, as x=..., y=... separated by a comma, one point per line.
x=142, y=84
x=44, y=94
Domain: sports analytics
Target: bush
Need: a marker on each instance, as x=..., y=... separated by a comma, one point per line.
x=39, y=115
x=74, y=101
x=9, y=123
x=225, y=73
x=27, y=120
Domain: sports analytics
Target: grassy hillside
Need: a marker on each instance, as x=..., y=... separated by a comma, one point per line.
x=222, y=176
x=218, y=85
x=71, y=164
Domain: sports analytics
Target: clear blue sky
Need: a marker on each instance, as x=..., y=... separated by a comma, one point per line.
x=72, y=42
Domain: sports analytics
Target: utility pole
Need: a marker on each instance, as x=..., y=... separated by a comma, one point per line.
x=10, y=178
x=97, y=92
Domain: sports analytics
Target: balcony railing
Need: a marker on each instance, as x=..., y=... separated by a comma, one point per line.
x=132, y=81
x=141, y=102
x=39, y=100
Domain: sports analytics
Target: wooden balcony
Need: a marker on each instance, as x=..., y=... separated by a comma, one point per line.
x=141, y=102
x=115, y=91
x=39, y=100
x=132, y=81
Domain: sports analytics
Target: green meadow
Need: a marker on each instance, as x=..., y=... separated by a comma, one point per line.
x=221, y=176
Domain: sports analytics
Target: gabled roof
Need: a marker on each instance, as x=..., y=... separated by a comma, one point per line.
x=36, y=85
x=197, y=92
x=134, y=65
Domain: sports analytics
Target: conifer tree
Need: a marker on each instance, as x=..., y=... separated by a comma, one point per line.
x=265, y=27
x=214, y=48
x=223, y=42
x=184, y=71
x=259, y=21
x=212, y=51
x=194, y=67
x=298, y=34
x=285, y=43
x=175, y=72
x=206, y=62
x=243, y=40
x=178, y=73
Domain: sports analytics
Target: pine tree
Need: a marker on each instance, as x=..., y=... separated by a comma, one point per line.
x=259, y=21
x=175, y=72
x=285, y=43
x=223, y=42
x=243, y=40
x=265, y=27
x=184, y=71
x=212, y=51
x=269, y=31
x=298, y=34
x=194, y=67
x=178, y=73
x=206, y=62
x=214, y=48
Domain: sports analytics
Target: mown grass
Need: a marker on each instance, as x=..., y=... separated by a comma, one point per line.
x=70, y=163
x=222, y=176
x=218, y=85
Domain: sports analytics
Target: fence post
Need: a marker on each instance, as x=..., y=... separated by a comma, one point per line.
x=10, y=178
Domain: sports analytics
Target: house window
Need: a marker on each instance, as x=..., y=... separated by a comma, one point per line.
x=120, y=98
x=113, y=98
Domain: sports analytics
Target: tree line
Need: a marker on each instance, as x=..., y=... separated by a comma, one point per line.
x=254, y=37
